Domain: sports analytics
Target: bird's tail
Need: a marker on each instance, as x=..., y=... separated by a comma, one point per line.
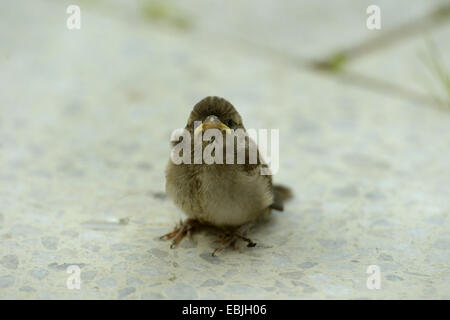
x=281, y=194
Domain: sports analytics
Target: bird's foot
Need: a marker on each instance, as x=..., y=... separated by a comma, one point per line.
x=183, y=229
x=230, y=239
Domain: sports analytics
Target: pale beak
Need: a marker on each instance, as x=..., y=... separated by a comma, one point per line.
x=211, y=122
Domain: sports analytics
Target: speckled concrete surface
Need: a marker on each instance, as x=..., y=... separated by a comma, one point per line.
x=85, y=119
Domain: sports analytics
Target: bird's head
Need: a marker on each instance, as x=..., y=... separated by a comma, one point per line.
x=213, y=113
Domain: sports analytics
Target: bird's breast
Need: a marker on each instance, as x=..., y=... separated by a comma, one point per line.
x=219, y=195
x=231, y=197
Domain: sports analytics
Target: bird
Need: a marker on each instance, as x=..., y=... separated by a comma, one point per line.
x=231, y=197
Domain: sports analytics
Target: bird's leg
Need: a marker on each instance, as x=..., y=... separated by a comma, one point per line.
x=230, y=239
x=181, y=230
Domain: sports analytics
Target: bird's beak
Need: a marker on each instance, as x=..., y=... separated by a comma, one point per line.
x=211, y=122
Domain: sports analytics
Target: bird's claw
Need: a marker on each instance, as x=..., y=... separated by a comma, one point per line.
x=184, y=228
x=230, y=240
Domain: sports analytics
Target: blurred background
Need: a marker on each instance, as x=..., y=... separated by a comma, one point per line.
x=85, y=120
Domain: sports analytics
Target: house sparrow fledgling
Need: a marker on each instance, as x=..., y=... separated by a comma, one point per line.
x=226, y=196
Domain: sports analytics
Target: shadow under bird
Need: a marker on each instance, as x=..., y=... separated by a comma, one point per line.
x=228, y=197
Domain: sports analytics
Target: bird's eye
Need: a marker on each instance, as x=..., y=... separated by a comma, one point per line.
x=230, y=123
